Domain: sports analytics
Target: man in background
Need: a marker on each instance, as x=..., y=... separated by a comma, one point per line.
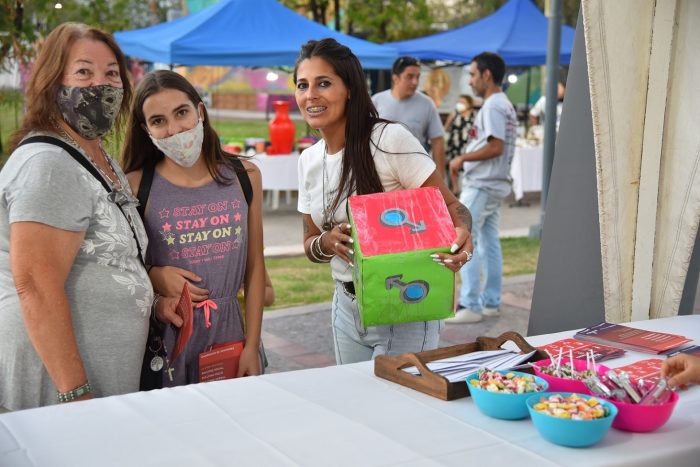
x=537, y=111
x=485, y=183
x=417, y=111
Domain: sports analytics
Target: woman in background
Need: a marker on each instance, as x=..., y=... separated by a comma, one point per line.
x=458, y=127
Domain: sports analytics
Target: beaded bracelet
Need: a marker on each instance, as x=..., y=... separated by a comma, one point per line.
x=73, y=394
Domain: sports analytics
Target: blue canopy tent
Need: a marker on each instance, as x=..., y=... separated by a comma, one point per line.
x=517, y=31
x=241, y=33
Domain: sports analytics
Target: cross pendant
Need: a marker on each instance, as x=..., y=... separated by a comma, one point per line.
x=170, y=373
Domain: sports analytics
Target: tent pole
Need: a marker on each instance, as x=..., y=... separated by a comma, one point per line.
x=550, y=114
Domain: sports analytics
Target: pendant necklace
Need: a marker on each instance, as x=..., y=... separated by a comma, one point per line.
x=157, y=361
x=114, y=183
x=327, y=214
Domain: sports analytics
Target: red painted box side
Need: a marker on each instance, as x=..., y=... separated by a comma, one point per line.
x=403, y=220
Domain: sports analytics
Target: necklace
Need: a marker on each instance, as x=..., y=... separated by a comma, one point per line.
x=327, y=202
x=114, y=183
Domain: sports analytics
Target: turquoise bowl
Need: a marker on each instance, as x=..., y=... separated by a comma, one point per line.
x=567, y=432
x=503, y=405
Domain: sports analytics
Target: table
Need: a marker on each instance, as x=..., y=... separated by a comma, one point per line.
x=279, y=173
x=339, y=416
x=526, y=170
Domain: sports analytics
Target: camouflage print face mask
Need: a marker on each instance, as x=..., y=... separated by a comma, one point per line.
x=90, y=110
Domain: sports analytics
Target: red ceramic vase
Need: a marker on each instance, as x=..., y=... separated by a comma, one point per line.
x=281, y=130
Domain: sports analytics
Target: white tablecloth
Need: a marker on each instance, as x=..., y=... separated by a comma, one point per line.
x=526, y=170
x=336, y=416
x=279, y=173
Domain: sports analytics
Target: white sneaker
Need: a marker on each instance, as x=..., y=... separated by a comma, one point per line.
x=465, y=315
x=491, y=311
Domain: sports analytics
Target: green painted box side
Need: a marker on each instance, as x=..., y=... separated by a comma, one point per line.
x=381, y=281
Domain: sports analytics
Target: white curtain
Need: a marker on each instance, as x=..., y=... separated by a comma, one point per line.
x=645, y=98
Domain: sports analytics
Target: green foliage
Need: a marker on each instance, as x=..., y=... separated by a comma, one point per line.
x=389, y=20
x=22, y=28
x=10, y=117
x=18, y=32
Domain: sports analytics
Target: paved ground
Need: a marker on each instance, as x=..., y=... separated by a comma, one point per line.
x=301, y=337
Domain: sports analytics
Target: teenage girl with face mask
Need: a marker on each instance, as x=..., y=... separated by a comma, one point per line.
x=74, y=293
x=201, y=229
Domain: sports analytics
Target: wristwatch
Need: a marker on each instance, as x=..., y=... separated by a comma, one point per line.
x=73, y=394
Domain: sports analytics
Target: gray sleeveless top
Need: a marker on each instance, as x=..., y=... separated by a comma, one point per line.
x=203, y=230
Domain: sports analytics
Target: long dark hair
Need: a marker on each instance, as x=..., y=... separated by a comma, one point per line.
x=47, y=76
x=358, y=172
x=138, y=148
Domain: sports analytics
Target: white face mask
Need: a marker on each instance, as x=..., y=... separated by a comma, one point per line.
x=183, y=148
x=460, y=107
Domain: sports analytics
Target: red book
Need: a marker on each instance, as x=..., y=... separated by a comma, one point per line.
x=220, y=362
x=649, y=369
x=581, y=348
x=184, y=310
x=626, y=337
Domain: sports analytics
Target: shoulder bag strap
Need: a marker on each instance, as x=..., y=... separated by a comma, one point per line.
x=147, y=172
x=243, y=179
x=75, y=154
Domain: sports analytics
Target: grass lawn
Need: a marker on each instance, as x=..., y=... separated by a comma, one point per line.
x=298, y=281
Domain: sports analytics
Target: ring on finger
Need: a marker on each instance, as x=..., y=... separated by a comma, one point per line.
x=469, y=255
x=335, y=245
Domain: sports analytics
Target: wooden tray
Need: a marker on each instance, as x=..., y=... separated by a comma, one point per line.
x=391, y=368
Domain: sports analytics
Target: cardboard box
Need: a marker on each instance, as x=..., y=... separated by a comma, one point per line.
x=396, y=280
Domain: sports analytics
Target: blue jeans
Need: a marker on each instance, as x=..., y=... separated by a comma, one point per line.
x=486, y=213
x=354, y=342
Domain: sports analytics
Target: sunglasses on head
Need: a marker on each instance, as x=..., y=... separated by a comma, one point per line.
x=403, y=62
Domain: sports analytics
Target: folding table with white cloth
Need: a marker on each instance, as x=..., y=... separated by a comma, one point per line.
x=340, y=415
x=526, y=170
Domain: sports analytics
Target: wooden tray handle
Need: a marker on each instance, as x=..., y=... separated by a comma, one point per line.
x=493, y=343
x=411, y=359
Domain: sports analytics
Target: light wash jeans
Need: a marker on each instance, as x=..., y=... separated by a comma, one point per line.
x=354, y=342
x=486, y=213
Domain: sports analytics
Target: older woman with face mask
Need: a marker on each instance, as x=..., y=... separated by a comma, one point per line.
x=75, y=297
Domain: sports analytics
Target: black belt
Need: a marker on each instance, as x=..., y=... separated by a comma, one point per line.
x=349, y=287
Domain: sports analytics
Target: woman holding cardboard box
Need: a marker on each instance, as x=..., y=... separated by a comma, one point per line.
x=332, y=94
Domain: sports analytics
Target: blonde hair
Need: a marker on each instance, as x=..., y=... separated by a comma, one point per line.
x=47, y=76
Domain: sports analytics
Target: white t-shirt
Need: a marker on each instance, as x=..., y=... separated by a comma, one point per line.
x=495, y=119
x=538, y=109
x=417, y=112
x=399, y=158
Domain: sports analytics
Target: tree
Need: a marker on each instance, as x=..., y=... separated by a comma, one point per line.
x=389, y=20
x=23, y=23
x=375, y=20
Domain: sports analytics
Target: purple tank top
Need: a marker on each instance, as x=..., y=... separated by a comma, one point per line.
x=203, y=230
